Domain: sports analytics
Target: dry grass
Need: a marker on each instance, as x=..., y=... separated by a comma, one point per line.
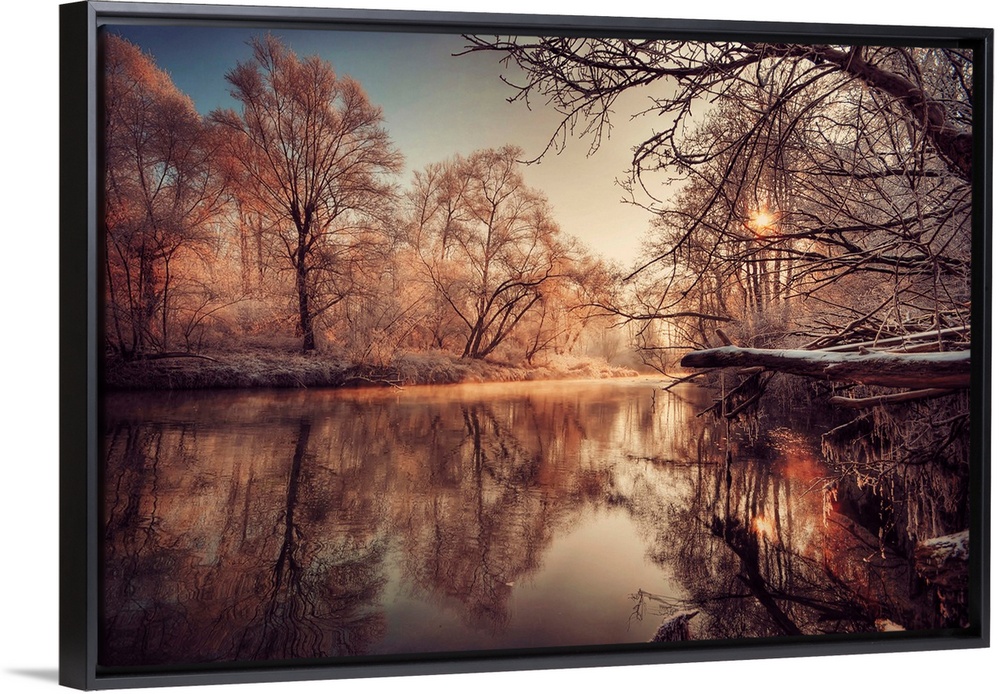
x=291, y=369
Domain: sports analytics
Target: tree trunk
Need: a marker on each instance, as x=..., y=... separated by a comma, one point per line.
x=165, y=310
x=302, y=288
x=944, y=561
x=936, y=370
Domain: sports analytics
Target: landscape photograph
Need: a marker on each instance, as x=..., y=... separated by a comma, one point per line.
x=420, y=343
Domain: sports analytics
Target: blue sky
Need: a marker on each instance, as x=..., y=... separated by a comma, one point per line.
x=435, y=105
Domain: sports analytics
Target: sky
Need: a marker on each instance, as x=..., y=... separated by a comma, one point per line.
x=435, y=105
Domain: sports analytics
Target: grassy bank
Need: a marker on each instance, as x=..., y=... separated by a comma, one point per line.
x=275, y=369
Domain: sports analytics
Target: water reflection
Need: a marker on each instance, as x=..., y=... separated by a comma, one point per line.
x=293, y=524
x=209, y=555
x=768, y=551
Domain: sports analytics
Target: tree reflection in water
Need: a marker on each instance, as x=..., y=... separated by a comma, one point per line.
x=772, y=551
x=274, y=569
x=472, y=552
x=269, y=526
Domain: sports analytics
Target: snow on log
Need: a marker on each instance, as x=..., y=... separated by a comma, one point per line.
x=674, y=628
x=944, y=561
x=934, y=370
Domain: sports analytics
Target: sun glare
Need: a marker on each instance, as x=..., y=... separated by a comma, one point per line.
x=764, y=527
x=761, y=221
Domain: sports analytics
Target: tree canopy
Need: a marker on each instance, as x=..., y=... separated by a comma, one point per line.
x=487, y=242
x=163, y=186
x=779, y=173
x=312, y=155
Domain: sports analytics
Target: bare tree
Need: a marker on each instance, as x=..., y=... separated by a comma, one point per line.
x=487, y=243
x=163, y=188
x=311, y=153
x=815, y=193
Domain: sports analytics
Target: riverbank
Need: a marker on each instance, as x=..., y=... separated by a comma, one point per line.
x=270, y=369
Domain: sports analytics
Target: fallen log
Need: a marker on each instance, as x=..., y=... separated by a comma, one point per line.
x=944, y=561
x=177, y=355
x=936, y=370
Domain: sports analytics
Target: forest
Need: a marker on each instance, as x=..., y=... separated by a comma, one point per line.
x=798, y=197
x=810, y=240
x=284, y=227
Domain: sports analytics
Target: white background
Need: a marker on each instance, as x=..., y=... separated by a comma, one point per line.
x=29, y=378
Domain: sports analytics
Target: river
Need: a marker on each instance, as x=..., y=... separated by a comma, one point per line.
x=287, y=524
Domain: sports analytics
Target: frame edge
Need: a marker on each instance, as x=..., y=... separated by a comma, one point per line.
x=77, y=186
x=77, y=372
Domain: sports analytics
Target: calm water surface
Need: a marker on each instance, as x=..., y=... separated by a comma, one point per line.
x=317, y=523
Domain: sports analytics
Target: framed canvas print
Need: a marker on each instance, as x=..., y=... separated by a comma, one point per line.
x=400, y=342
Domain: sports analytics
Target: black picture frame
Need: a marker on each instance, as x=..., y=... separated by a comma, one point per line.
x=80, y=306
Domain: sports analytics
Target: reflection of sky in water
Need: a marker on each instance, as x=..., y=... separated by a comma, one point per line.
x=582, y=588
x=317, y=523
